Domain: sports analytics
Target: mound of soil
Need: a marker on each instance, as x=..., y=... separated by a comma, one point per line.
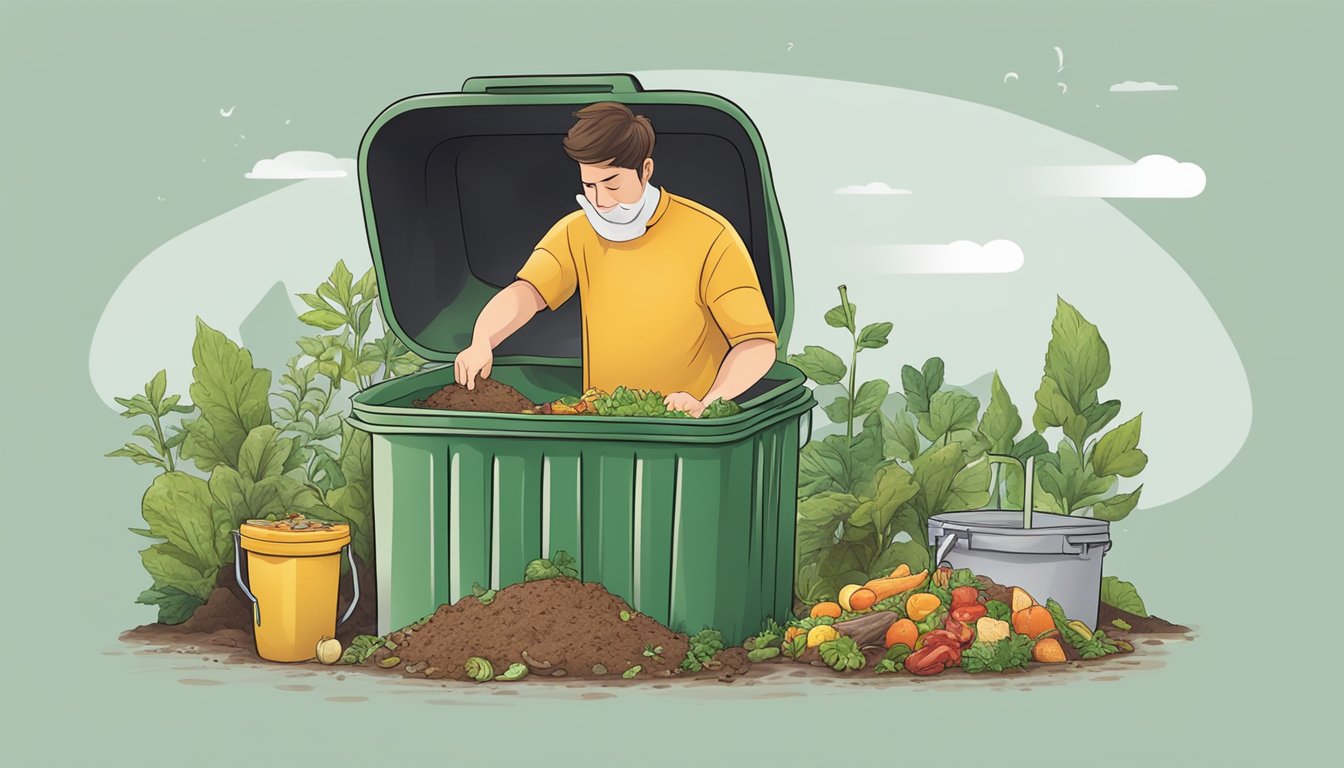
x=558, y=627
x=488, y=396
x=1138, y=625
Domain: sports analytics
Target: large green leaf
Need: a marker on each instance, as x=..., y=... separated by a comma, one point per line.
x=175, y=605
x=970, y=487
x=871, y=396
x=1098, y=415
x=838, y=410
x=1122, y=595
x=1117, y=451
x=920, y=385
x=818, y=518
x=367, y=285
x=353, y=503
x=950, y=411
x=822, y=467
x=1073, y=485
x=899, y=438
x=1054, y=410
x=1076, y=358
x=935, y=471
x=1031, y=445
x=264, y=453
x=1042, y=500
x=232, y=396
x=326, y=319
x=178, y=507
x=1118, y=506
x=342, y=281
x=894, y=487
x=1001, y=421
x=836, y=317
x=170, y=571
x=874, y=336
x=820, y=365
x=913, y=553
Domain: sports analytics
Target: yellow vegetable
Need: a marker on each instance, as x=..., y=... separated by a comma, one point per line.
x=1080, y=628
x=826, y=609
x=901, y=570
x=845, y=594
x=328, y=650
x=821, y=634
x=991, y=630
x=1022, y=600
x=920, y=605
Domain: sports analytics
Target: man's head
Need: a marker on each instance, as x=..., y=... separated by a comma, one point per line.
x=614, y=150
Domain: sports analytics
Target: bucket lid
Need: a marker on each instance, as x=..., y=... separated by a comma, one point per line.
x=1009, y=522
x=280, y=535
x=458, y=188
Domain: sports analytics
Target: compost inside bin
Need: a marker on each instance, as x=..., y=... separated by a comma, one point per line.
x=487, y=396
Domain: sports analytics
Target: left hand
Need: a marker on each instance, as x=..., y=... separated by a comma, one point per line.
x=683, y=401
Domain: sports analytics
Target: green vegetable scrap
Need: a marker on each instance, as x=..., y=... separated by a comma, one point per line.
x=1012, y=652
x=999, y=610
x=654, y=652
x=842, y=654
x=1121, y=625
x=763, y=654
x=625, y=615
x=480, y=669
x=1089, y=647
x=648, y=404
x=514, y=672
x=361, y=648
x=769, y=636
x=560, y=564
x=795, y=647
x=894, y=660
x=486, y=596
x=630, y=673
x=964, y=577
x=704, y=645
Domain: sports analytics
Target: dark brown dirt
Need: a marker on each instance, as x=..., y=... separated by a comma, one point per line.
x=1139, y=625
x=560, y=624
x=488, y=396
x=226, y=617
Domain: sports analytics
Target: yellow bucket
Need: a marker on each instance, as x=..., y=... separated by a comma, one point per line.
x=292, y=580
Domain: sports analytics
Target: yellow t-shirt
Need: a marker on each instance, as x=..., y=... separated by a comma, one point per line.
x=661, y=311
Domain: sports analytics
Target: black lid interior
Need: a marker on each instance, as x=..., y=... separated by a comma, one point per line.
x=462, y=194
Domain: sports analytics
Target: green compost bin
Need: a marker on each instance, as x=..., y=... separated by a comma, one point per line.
x=690, y=521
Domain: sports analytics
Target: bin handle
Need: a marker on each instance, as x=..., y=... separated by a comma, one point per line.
x=1028, y=482
x=354, y=578
x=944, y=547
x=602, y=83
x=238, y=574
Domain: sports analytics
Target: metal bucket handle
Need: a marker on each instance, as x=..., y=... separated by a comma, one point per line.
x=1028, y=482
x=256, y=607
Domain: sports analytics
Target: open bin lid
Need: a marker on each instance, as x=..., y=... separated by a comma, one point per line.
x=458, y=188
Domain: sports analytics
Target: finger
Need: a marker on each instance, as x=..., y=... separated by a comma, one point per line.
x=471, y=377
x=485, y=371
x=457, y=372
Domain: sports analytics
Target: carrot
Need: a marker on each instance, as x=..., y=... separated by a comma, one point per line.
x=862, y=599
x=885, y=588
x=1048, y=651
x=920, y=605
x=901, y=570
x=1032, y=621
x=826, y=609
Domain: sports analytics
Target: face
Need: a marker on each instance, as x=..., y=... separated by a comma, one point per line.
x=606, y=186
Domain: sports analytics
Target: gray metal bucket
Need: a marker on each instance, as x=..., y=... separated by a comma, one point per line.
x=1048, y=555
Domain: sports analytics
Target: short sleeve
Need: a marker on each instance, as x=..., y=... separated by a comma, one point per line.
x=550, y=269
x=732, y=292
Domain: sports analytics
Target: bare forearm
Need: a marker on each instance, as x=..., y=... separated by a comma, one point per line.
x=508, y=311
x=745, y=365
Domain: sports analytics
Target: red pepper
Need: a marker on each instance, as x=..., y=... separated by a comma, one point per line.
x=964, y=596
x=969, y=614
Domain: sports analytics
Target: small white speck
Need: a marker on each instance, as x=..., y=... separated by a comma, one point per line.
x=241, y=136
x=286, y=121
x=235, y=145
x=202, y=159
x=160, y=198
x=1096, y=105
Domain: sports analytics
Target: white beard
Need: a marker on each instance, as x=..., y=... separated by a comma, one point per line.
x=624, y=222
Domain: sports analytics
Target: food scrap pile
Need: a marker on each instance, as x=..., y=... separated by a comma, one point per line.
x=924, y=624
x=294, y=521
x=495, y=397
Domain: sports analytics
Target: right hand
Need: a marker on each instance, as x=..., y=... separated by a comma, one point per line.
x=475, y=359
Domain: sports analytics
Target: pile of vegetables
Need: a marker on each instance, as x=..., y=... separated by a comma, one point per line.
x=925, y=623
x=630, y=402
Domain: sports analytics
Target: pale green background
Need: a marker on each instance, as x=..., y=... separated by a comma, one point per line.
x=102, y=103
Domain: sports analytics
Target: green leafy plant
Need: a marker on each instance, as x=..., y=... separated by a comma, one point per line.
x=893, y=660
x=997, y=609
x=641, y=402
x=156, y=406
x=1092, y=646
x=654, y=652
x=795, y=647
x=842, y=654
x=559, y=564
x=1012, y=652
x=361, y=648
x=826, y=367
x=486, y=596
x=703, y=647
x=1122, y=595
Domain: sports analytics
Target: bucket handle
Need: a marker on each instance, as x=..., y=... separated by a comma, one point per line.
x=1028, y=483
x=944, y=547
x=354, y=579
x=238, y=574
x=256, y=607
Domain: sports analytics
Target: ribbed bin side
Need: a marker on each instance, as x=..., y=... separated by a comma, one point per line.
x=693, y=535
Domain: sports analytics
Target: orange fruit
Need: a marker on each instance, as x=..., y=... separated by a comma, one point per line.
x=862, y=599
x=903, y=632
x=826, y=609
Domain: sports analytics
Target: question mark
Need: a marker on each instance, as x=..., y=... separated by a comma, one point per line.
x=790, y=46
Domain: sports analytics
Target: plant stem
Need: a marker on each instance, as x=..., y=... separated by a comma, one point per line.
x=167, y=452
x=853, y=361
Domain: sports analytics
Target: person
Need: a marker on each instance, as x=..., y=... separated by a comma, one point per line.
x=670, y=299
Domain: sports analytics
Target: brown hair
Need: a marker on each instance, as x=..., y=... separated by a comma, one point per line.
x=608, y=130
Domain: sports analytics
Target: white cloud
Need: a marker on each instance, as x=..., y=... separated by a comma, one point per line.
x=1131, y=86
x=871, y=188
x=1149, y=176
x=960, y=257
x=302, y=164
